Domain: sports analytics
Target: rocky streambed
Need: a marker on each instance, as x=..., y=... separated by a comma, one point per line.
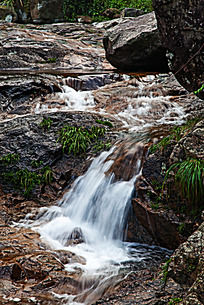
x=31, y=270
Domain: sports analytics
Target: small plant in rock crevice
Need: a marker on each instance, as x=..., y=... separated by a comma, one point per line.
x=46, y=123
x=174, y=301
x=105, y=123
x=77, y=140
x=165, y=269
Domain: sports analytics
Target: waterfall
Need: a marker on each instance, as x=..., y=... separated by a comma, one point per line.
x=97, y=205
x=94, y=212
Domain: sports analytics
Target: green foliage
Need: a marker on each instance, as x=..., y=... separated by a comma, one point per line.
x=95, y=8
x=105, y=123
x=174, y=301
x=9, y=159
x=47, y=175
x=8, y=3
x=77, y=140
x=36, y=164
x=165, y=269
x=46, y=123
x=52, y=60
x=101, y=146
x=199, y=90
x=23, y=179
x=189, y=180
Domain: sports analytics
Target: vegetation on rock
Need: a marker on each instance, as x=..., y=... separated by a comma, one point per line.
x=189, y=181
x=23, y=179
x=77, y=140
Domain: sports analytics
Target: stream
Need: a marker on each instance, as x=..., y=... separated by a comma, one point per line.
x=91, y=218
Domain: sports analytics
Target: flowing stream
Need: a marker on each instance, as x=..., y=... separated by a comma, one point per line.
x=90, y=220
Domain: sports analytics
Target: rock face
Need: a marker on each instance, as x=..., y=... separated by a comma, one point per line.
x=187, y=267
x=134, y=45
x=181, y=24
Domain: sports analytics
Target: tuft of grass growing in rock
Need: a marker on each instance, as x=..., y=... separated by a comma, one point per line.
x=77, y=140
x=189, y=181
x=46, y=123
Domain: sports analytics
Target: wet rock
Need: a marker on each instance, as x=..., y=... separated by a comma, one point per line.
x=141, y=288
x=76, y=237
x=26, y=267
x=180, y=24
x=17, y=93
x=134, y=45
x=84, y=19
x=34, y=144
x=190, y=146
x=40, y=47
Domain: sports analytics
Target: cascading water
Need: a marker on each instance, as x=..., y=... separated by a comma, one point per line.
x=96, y=208
x=90, y=219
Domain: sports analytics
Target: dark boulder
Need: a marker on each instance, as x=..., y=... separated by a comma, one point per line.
x=180, y=25
x=134, y=45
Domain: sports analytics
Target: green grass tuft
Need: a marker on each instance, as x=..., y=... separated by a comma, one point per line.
x=77, y=140
x=189, y=180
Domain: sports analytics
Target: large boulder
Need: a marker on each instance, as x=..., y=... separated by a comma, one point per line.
x=181, y=24
x=134, y=45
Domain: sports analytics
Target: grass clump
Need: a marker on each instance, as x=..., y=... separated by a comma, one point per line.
x=189, y=180
x=77, y=140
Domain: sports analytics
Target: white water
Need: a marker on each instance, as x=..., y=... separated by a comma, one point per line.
x=98, y=206
x=142, y=110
